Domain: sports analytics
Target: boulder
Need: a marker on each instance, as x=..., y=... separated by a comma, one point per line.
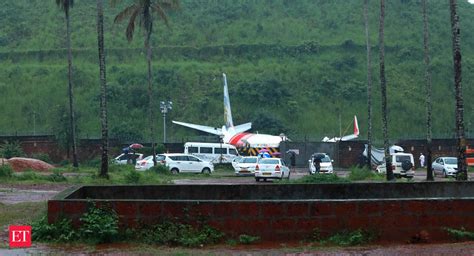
x=20, y=164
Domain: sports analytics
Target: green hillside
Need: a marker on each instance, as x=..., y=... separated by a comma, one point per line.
x=292, y=66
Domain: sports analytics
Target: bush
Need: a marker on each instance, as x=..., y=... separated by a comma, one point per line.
x=99, y=225
x=11, y=149
x=347, y=238
x=120, y=167
x=460, y=234
x=95, y=162
x=363, y=174
x=161, y=169
x=56, y=177
x=132, y=177
x=29, y=175
x=60, y=231
x=321, y=178
x=42, y=156
x=171, y=233
x=6, y=171
x=246, y=239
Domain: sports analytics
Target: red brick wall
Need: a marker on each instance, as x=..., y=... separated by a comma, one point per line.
x=391, y=220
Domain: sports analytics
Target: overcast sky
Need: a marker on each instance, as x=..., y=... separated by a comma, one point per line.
x=471, y=1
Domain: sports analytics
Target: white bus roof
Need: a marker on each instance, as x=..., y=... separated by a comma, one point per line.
x=207, y=144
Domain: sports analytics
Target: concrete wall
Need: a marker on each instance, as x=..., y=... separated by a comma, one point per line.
x=292, y=218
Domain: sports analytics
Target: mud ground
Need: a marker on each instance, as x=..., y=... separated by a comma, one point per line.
x=16, y=193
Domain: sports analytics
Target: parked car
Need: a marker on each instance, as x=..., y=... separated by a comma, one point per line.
x=246, y=165
x=131, y=158
x=271, y=168
x=177, y=163
x=326, y=163
x=147, y=162
x=403, y=165
x=446, y=166
x=236, y=161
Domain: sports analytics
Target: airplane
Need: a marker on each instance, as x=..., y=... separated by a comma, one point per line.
x=347, y=137
x=236, y=135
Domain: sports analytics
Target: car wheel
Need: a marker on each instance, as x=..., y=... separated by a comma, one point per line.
x=257, y=179
x=174, y=171
x=206, y=170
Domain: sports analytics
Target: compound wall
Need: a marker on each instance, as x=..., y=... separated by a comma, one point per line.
x=393, y=211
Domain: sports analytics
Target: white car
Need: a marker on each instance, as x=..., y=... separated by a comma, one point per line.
x=128, y=158
x=326, y=163
x=271, y=168
x=246, y=165
x=403, y=165
x=446, y=166
x=236, y=161
x=177, y=163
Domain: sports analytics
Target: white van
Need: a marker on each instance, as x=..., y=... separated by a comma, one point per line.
x=212, y=152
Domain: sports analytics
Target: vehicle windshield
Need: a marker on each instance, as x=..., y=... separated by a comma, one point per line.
x=249, y=160
x=401, y=159
x=269, y=161
x=326, y=159
x=451, y=160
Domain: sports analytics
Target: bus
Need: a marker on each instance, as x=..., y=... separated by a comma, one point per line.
x=212, y=152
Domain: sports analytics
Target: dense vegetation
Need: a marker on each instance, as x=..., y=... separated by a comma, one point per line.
x=292, y=66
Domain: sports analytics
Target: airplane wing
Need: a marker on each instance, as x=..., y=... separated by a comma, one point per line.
x=242, y=127
x=209, y=129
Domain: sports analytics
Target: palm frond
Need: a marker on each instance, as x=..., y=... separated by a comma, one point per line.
x=131, y=25
x=126, y=13
x=158, y=9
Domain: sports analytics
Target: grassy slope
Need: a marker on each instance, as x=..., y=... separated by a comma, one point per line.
x=304, y=89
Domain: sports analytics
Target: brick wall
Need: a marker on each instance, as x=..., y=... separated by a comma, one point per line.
x=393, y=211
x=391, y=220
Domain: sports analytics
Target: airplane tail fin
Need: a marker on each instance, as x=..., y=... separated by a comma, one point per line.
x=356, y=126
x=356, y=131
x=227, y=112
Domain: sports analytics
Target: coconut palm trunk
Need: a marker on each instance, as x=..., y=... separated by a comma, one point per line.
x=383, y=86
x=369, y=88
x=66, y=5
x=429, y=169
x=104, y=167
x=462, y=169
x=142, y=10
x=151, y=101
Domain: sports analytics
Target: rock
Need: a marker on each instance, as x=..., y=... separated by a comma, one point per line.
x=20, y=164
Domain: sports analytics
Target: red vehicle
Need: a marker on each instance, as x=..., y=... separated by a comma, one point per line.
x=470, y=156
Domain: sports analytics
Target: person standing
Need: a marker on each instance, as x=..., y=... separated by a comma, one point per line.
x=317, y=163
x=422, y=160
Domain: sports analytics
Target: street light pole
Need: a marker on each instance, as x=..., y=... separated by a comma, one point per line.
x=165, y=106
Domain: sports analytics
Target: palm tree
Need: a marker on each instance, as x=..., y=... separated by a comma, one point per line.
x=142, y=11
x=429, y=170
x=369, y=88
x=103, y=90
x=462, y=169
x=383, y=86
x=66, y=5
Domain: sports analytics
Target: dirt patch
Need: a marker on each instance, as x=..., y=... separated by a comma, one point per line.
x=18, y=193
x=20, y=164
